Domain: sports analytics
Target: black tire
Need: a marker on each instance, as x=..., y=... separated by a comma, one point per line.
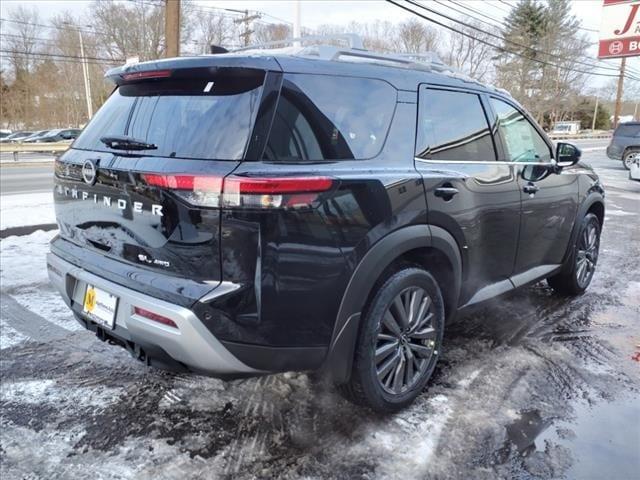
x=413, y=342
x=628, y=157
x=573, y=280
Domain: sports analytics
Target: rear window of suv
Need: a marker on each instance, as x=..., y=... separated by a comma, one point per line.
x=198, y=118
x=322, y=117
x=627, y=131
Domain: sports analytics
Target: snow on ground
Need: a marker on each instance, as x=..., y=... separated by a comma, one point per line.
x=9, y=336
x=48, y=304
x=23, y=274
x=47, y=391
x=24, y=259
x=26, y=209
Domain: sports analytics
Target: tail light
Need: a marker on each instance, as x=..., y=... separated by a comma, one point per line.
x=154, y=316
x=248, y=192
x=129, y=77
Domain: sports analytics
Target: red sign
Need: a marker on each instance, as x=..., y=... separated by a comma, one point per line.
x=620, y=29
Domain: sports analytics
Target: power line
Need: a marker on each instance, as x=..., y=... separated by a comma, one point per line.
x=77, y=57
x=466, y=7
x=38, y=56
x=586, y=29
x=531, y=49
x=588, y=64
x=497, y=47
x=53, y=27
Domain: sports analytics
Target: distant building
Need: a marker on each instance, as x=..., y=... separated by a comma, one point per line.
x=566, y=128
x=623, y=119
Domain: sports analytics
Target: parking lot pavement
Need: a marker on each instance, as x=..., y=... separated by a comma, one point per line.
x=531, y=386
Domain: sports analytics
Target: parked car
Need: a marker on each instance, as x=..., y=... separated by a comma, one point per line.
x=34, y=137
x=634, y=170
x=4, y=133
x=326, y=210
x=625, y=143
x=16, y=136
x=59, y=135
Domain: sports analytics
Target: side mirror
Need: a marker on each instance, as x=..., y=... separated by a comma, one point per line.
x=567, y=154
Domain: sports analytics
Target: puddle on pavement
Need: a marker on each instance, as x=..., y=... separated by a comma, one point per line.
x=603, y=439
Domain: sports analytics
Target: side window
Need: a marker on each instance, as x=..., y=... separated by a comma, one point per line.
x=321, y=117
x=521, y=140
x=453, y=126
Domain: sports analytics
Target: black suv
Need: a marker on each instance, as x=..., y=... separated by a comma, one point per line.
x=314, y=209
x=625, y=143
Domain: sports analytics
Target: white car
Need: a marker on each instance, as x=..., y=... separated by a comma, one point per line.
x=634, y=170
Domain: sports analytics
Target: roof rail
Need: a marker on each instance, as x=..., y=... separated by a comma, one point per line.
x=428, y=61
x=354, y=41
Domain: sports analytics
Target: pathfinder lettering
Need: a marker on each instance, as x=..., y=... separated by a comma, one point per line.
x=120, y=203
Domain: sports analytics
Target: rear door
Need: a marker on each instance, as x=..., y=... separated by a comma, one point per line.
x=469, y=193
x=154, y=203
x=549, y=200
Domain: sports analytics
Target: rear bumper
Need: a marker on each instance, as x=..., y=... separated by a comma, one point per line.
x=191, y=345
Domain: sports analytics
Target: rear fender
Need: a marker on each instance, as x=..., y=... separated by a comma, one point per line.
x=339, y=360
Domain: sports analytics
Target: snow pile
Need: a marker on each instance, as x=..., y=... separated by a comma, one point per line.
x=26, y=209
x=24, y=260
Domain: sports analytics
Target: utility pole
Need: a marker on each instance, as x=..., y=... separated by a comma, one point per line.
x=172, y=27
x=85, y=74
x=616, y=115
x=247, y=19
x=296, y=22
x=595, y=114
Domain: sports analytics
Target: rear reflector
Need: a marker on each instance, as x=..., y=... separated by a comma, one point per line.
x=154, y=316
x=146, y=75
x=249, y=192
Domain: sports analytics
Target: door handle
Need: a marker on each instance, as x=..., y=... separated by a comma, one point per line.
x=446, y=193
x=531, y=188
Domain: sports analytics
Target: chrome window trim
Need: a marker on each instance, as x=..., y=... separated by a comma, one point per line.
x=485, y=162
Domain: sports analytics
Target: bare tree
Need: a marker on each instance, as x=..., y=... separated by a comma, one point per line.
x=271, y=32
x=470, y=54
x=415, y=37
x=128, y=30
x=22, y=40
x=212, y=28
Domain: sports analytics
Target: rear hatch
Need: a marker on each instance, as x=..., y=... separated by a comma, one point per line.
x=141, y=184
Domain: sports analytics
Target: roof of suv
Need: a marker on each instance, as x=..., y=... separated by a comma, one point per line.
x=401, y=72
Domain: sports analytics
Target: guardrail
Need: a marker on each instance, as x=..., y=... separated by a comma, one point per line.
x=579, y=136
x=16, y=148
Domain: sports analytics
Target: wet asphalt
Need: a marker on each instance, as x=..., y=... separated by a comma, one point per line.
x=532, y=386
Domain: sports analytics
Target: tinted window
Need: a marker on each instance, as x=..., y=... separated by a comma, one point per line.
x=330, y=118
x=453, y=126
x=627, y=131
x=207, y=118
x=111, y=119
x=521, y=140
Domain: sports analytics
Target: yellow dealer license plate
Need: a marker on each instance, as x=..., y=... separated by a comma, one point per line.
x=100, y=306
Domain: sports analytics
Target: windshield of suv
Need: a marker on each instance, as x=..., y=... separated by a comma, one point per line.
x=200, y=117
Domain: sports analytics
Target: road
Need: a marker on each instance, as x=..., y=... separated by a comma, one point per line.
x=26, y=178
x=532, y=386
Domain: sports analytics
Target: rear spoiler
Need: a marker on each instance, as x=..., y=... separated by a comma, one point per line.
x=229, y=60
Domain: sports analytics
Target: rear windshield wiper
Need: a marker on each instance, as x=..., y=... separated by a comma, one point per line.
x=121, y=142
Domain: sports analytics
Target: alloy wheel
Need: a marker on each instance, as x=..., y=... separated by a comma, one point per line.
x=587, y=255
x=630, y=158
x=406, y=341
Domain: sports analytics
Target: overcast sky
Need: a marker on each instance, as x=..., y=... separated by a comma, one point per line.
x=316, y=12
